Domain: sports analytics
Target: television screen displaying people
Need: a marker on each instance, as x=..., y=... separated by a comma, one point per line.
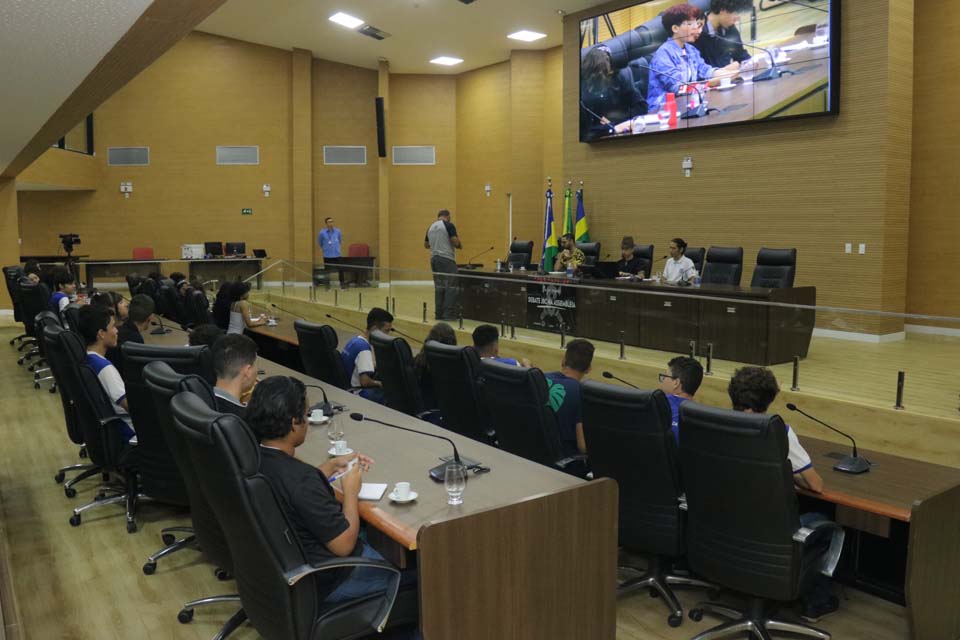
x=665, y=65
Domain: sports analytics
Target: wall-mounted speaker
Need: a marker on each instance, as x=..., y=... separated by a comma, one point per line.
x=381, y=130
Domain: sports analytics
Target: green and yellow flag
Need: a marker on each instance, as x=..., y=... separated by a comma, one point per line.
x=568, y=226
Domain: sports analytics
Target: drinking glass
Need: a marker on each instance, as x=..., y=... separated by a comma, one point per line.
x=335, y=429
x=455, y=480
x=664, y=117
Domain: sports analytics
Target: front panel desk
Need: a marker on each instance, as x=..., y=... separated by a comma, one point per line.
x=737, y=321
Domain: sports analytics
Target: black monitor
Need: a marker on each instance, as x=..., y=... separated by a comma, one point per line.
x=236, y=249
x=213, y=248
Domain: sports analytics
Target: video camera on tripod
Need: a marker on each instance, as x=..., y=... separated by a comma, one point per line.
x=69, y=240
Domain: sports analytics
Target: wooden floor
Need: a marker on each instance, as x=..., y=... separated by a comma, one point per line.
x=839, y=369
x=86, y=582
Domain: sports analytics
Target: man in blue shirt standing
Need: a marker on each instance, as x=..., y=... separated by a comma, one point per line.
x=676, y=65
x=563, y=395
x=330, y=241
x=680, y=383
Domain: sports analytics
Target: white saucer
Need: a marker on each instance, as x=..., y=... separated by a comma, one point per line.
x=394, y=498
x=333, y=452
x=721, y=87
x=322, y=420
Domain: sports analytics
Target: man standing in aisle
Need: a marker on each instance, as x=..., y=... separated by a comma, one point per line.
x=330, y=241
x=442, y=240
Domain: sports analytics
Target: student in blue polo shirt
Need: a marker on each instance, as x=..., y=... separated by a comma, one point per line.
x=486, y=342
x=358, y=356
x=680, y=383
x=65, y=285
x=98, y=328
x=563, y=395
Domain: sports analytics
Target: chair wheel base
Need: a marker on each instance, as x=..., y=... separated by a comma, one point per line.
x=70, y=492
x=59, y=477
x=696, y=614
x=149, y=568
x=168, y=539
x=674, y=620
x=131, y=526
x=75, y=520
x=222, y=574
x=185, y=616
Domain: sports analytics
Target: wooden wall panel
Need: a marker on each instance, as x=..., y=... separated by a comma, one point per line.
x=934, y=224
x=343, y=114
x=9, y=232
x=552, y=134
x=204, y=92
x=527, y=132
x=302, y=225
x=483, y=157
x=811, y=184
x=63, y=169
x=423, y=111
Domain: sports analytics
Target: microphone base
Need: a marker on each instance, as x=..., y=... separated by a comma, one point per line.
x=851, y=464
x=323, y=406
x=772, y=74
x=697, y=112
x=161, y=331
x=437, y=473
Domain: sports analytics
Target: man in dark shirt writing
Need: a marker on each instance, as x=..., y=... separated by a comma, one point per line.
x=277, y=414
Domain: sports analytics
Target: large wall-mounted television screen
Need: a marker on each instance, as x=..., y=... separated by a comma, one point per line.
x=663, y=65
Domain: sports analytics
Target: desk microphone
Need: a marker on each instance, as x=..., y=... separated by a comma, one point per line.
x=161, y=330
x=848, y=464
x=609, y=376
x=437, y=473
x=324, y=406
x=610, y=128
x=484, y=252
x=289, y=313
x=773, y=72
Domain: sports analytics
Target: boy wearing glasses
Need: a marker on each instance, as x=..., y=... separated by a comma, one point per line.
x=680, y=383
x=676, y=65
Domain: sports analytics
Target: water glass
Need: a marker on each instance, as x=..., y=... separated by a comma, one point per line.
x=455, y=480
x=664, y=117
x=335, y=428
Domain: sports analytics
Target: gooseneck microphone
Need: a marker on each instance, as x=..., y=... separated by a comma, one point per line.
x=482, y=253
x=767, y=74
x=610, y=376
x=289, y=313
x=324, y=406
x=437, y=472
x=698, y=111
x=848, y=464
x=160, y=330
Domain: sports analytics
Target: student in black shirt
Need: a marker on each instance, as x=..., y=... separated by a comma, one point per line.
x=138, y=315
x=444, y=334
x=277, y=414
x=629, y=264
x=235, y=363
x=720, y=42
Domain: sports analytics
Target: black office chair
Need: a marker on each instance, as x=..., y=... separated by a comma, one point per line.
x=164, y=383
x=645, y=253
x=67, y=386
x=272, y=573
x=133, y=283
x=697, y=256
x=12, y=275
x=149, y=287
x=454, y=370
x=401, y=390
x=516, y=398
x=168, y=303
x=197, y=308
x=521, y=253
x=102, y=433
x=591, y=253
x=34, y=299
x=724, y=266
x=743, y=524
x=70, y=316
x=158, y=475
x=629, y=439
x=44, y=374
x=776, y=268
x=318, y=352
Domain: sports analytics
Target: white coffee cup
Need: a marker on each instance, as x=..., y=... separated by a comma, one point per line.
x=340, y=447
x=316, y=415
x=401, y=490
x=726, y=82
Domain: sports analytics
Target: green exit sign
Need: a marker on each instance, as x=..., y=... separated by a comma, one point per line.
x=246, y=212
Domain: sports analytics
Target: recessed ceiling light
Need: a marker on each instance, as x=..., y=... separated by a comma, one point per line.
x=346, y=20
x=527, y=36
x=446, y=61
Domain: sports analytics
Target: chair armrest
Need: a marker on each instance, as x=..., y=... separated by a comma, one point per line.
x=682, y=502
x=819, y=529
x=295, y=575
x=428, y=414
x=563, y=463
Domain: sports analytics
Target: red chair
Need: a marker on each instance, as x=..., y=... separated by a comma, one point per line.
x=358, y=250
x=143, y=253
